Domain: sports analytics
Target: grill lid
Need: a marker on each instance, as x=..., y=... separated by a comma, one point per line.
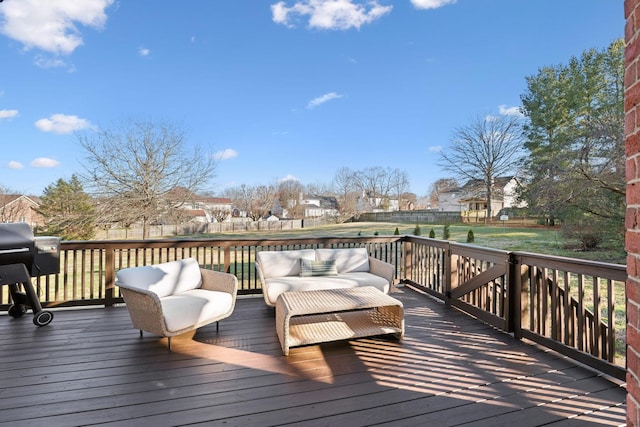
x=17, y=243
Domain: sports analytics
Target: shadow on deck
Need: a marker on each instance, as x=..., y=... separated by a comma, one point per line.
x=89, y=367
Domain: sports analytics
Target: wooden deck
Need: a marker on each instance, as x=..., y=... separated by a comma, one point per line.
x=89, y=367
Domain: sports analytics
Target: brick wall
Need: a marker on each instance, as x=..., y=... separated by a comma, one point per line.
x=632, y=140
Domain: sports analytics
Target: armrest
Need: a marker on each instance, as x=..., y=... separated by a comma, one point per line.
x=144, y=308
x=382, y=269
x=219, y=281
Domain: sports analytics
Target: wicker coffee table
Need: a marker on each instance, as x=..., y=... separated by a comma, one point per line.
x=310, y=317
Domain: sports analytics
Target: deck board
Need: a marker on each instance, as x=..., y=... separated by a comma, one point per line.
x=89, y=367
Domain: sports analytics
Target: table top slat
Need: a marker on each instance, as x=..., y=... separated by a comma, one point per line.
x=297, y=303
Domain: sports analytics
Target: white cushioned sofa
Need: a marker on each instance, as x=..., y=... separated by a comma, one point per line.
x=312, y=269
x=172, y=298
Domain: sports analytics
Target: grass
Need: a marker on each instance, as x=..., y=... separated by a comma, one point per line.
x=542, y=240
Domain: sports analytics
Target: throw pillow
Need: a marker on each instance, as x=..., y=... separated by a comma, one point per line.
x=317, y=268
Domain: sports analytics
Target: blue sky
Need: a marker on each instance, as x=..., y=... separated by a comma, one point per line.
x=278, y=89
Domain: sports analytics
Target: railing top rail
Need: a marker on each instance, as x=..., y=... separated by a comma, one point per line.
x=225, y=241
x=442, y=244
x=472, y=251
x=590, y=268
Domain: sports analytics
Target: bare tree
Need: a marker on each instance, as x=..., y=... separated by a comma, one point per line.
x=317, y=188
x=262, y=200
x=487, y=148
x=289, y=193
x=346, y=192
x=240, y=197
x=254, y=202
x=132, y=167
x=399, y=184
x=220, y=214
x=378, y=185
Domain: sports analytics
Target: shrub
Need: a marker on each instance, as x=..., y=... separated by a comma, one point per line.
x=470, y=237
x=416, y=231
x=432, y=233
x=397, y=232
x=446, y=233
x=375, y=233
x=589, y=231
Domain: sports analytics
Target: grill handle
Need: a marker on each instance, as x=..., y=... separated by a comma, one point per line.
x=13, y=251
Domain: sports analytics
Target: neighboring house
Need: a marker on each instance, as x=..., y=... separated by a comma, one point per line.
x=319, y=206
x=366, y=203
x=471, y=198
x=449, y=201
x=20, y=208
x=201, y=208
x=199, y=216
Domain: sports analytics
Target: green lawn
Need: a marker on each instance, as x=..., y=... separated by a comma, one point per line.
x=541, y=240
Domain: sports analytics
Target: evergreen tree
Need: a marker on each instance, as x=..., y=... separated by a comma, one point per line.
x=68, y=210
x=575, y=139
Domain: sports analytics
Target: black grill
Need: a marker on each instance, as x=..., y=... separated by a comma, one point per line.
x=23, y=256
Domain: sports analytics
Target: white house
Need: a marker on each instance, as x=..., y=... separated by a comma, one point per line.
x=471, y=198
x=319, y=206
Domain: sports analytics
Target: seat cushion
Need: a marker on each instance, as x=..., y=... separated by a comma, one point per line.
x=194, y=307
x=282, y=263
x=347, y=260
x=163, y=279
x=277, y=285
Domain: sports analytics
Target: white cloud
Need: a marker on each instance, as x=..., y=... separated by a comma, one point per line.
x=431, y=4
x=62, y=123
x=322, y=99
x=15, y=165
x=51, y=26
x=329, y=14
x=44, y=162
x=8, y=114
x=510, y=111
x=288, y=178
x=46, y=62
x=225, y=154
x=435, y=148
x=143, y=51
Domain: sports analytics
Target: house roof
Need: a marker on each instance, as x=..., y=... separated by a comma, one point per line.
x=7, y=199
x=326, y=202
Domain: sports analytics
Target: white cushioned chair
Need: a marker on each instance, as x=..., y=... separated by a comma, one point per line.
x=175, y=297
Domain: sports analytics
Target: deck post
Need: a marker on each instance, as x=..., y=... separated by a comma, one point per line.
x=450, y=274
x=514, y=319
x=109, y=275
x=408, y=260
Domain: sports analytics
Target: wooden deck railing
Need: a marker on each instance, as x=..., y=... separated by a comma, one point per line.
x=573, y=306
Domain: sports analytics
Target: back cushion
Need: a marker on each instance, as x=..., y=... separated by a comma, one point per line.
x=283, y=263
x=347, y=260
x=163, y=279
